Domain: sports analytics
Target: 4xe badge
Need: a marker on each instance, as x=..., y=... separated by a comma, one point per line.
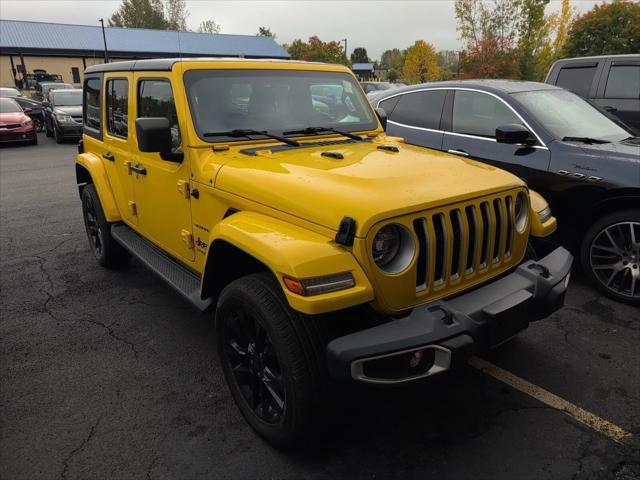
x=201, y=244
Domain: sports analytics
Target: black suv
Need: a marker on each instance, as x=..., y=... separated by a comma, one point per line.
x=610, y=81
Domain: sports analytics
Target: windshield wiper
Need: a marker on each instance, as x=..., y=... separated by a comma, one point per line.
x=246, y=132
x=584, y=140
x=312, y=130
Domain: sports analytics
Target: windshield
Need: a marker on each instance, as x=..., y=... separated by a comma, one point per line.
x=68, y=98
x=275, y=100
x=564, y=114
x=9, y=106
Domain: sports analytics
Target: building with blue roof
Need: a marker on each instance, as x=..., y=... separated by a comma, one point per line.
x=67, y=50
x=363, y=71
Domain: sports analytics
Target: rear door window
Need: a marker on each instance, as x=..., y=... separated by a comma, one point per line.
x=92, y=104
x=419, y=109
x=577, y=79
x=623, y=82
x=117, y=107
x=479, y=114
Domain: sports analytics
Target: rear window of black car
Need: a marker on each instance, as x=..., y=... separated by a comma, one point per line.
x=420, y=109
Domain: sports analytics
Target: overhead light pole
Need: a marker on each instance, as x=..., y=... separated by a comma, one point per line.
x=104, y=38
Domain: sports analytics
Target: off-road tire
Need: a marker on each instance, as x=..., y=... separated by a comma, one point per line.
x=593, y=233
x=299, y=345
x=107, y=251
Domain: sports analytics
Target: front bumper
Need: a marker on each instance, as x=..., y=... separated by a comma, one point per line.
x=441, y=335
x=70, y=130
x=22, y=134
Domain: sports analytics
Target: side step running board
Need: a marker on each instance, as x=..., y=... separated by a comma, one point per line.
x=182, y=280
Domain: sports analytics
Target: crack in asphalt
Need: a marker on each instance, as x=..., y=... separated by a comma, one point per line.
x=78, y=449
x=150, y=467
x=50, y=297
x=112, y=334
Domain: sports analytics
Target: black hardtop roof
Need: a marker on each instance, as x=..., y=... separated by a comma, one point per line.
x=166, y=64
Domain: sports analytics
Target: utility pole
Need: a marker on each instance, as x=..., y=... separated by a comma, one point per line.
x=104, y=38
x=345, y=49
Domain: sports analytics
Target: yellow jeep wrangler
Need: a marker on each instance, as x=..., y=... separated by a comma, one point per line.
x=268, y=192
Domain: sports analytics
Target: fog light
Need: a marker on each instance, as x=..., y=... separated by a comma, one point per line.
x=415, y=358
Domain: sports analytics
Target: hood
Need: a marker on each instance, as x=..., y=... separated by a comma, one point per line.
x=368, y=184
x=13, y=117
x=629, y=149
x=75, y=110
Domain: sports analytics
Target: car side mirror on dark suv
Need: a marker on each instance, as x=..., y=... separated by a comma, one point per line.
x=382, y=116
x=514, y=134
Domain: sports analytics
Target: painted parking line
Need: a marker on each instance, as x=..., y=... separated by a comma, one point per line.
x=589, y=419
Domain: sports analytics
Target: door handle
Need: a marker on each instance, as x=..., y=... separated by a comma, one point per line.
x=461, y=153
x=109, y=156
x=610, y=109
x=138, y=169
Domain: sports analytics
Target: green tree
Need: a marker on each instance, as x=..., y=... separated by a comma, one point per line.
x=489, y=32
x=266, y=32
x=209, y=26
x=609, y=28
x=392, y=59
x=176, y=14
x=315, y=50
x=554, y=35
x=392, y=75
x=140, y=14
x=531, y=29
x=448, y=61
x=421, y=63
x=359, y=55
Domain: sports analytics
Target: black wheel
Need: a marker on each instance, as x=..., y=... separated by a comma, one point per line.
x=610, y=255
x=47, y=132
x=106, y=250
x=58, y=137
x=272, y=358
x=38, y=124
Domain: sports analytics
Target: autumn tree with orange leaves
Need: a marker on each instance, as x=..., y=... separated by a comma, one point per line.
x=421, y=63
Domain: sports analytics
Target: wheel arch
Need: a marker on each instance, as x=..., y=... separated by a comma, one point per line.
x=90, y=170
x=249, y=242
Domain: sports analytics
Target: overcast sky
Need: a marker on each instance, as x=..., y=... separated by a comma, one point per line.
x=375, y=25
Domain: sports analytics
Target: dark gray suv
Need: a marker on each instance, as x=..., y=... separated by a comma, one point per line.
x=584, y=163
x=609, y=81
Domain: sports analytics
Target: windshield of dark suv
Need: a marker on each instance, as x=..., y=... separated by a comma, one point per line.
x=276, y=101
x=566, y=115
x=66, y=98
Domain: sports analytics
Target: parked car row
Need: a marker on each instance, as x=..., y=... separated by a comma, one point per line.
x=59, y=113
x=585, y=163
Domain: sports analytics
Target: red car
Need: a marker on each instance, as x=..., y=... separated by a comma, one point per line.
x=15, y=124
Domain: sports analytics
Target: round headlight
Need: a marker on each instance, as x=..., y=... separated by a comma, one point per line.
x=522, y=212
x=393, y=248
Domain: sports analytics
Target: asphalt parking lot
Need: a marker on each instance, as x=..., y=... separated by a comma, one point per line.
x=109, y=374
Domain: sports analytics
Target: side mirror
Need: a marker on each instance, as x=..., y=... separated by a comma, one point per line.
x=382, y=116
x=514, y=134
x=154, y=134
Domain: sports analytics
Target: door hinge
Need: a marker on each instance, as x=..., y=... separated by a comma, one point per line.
x=183, y=188
x=187, y=238
x=132, y=207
